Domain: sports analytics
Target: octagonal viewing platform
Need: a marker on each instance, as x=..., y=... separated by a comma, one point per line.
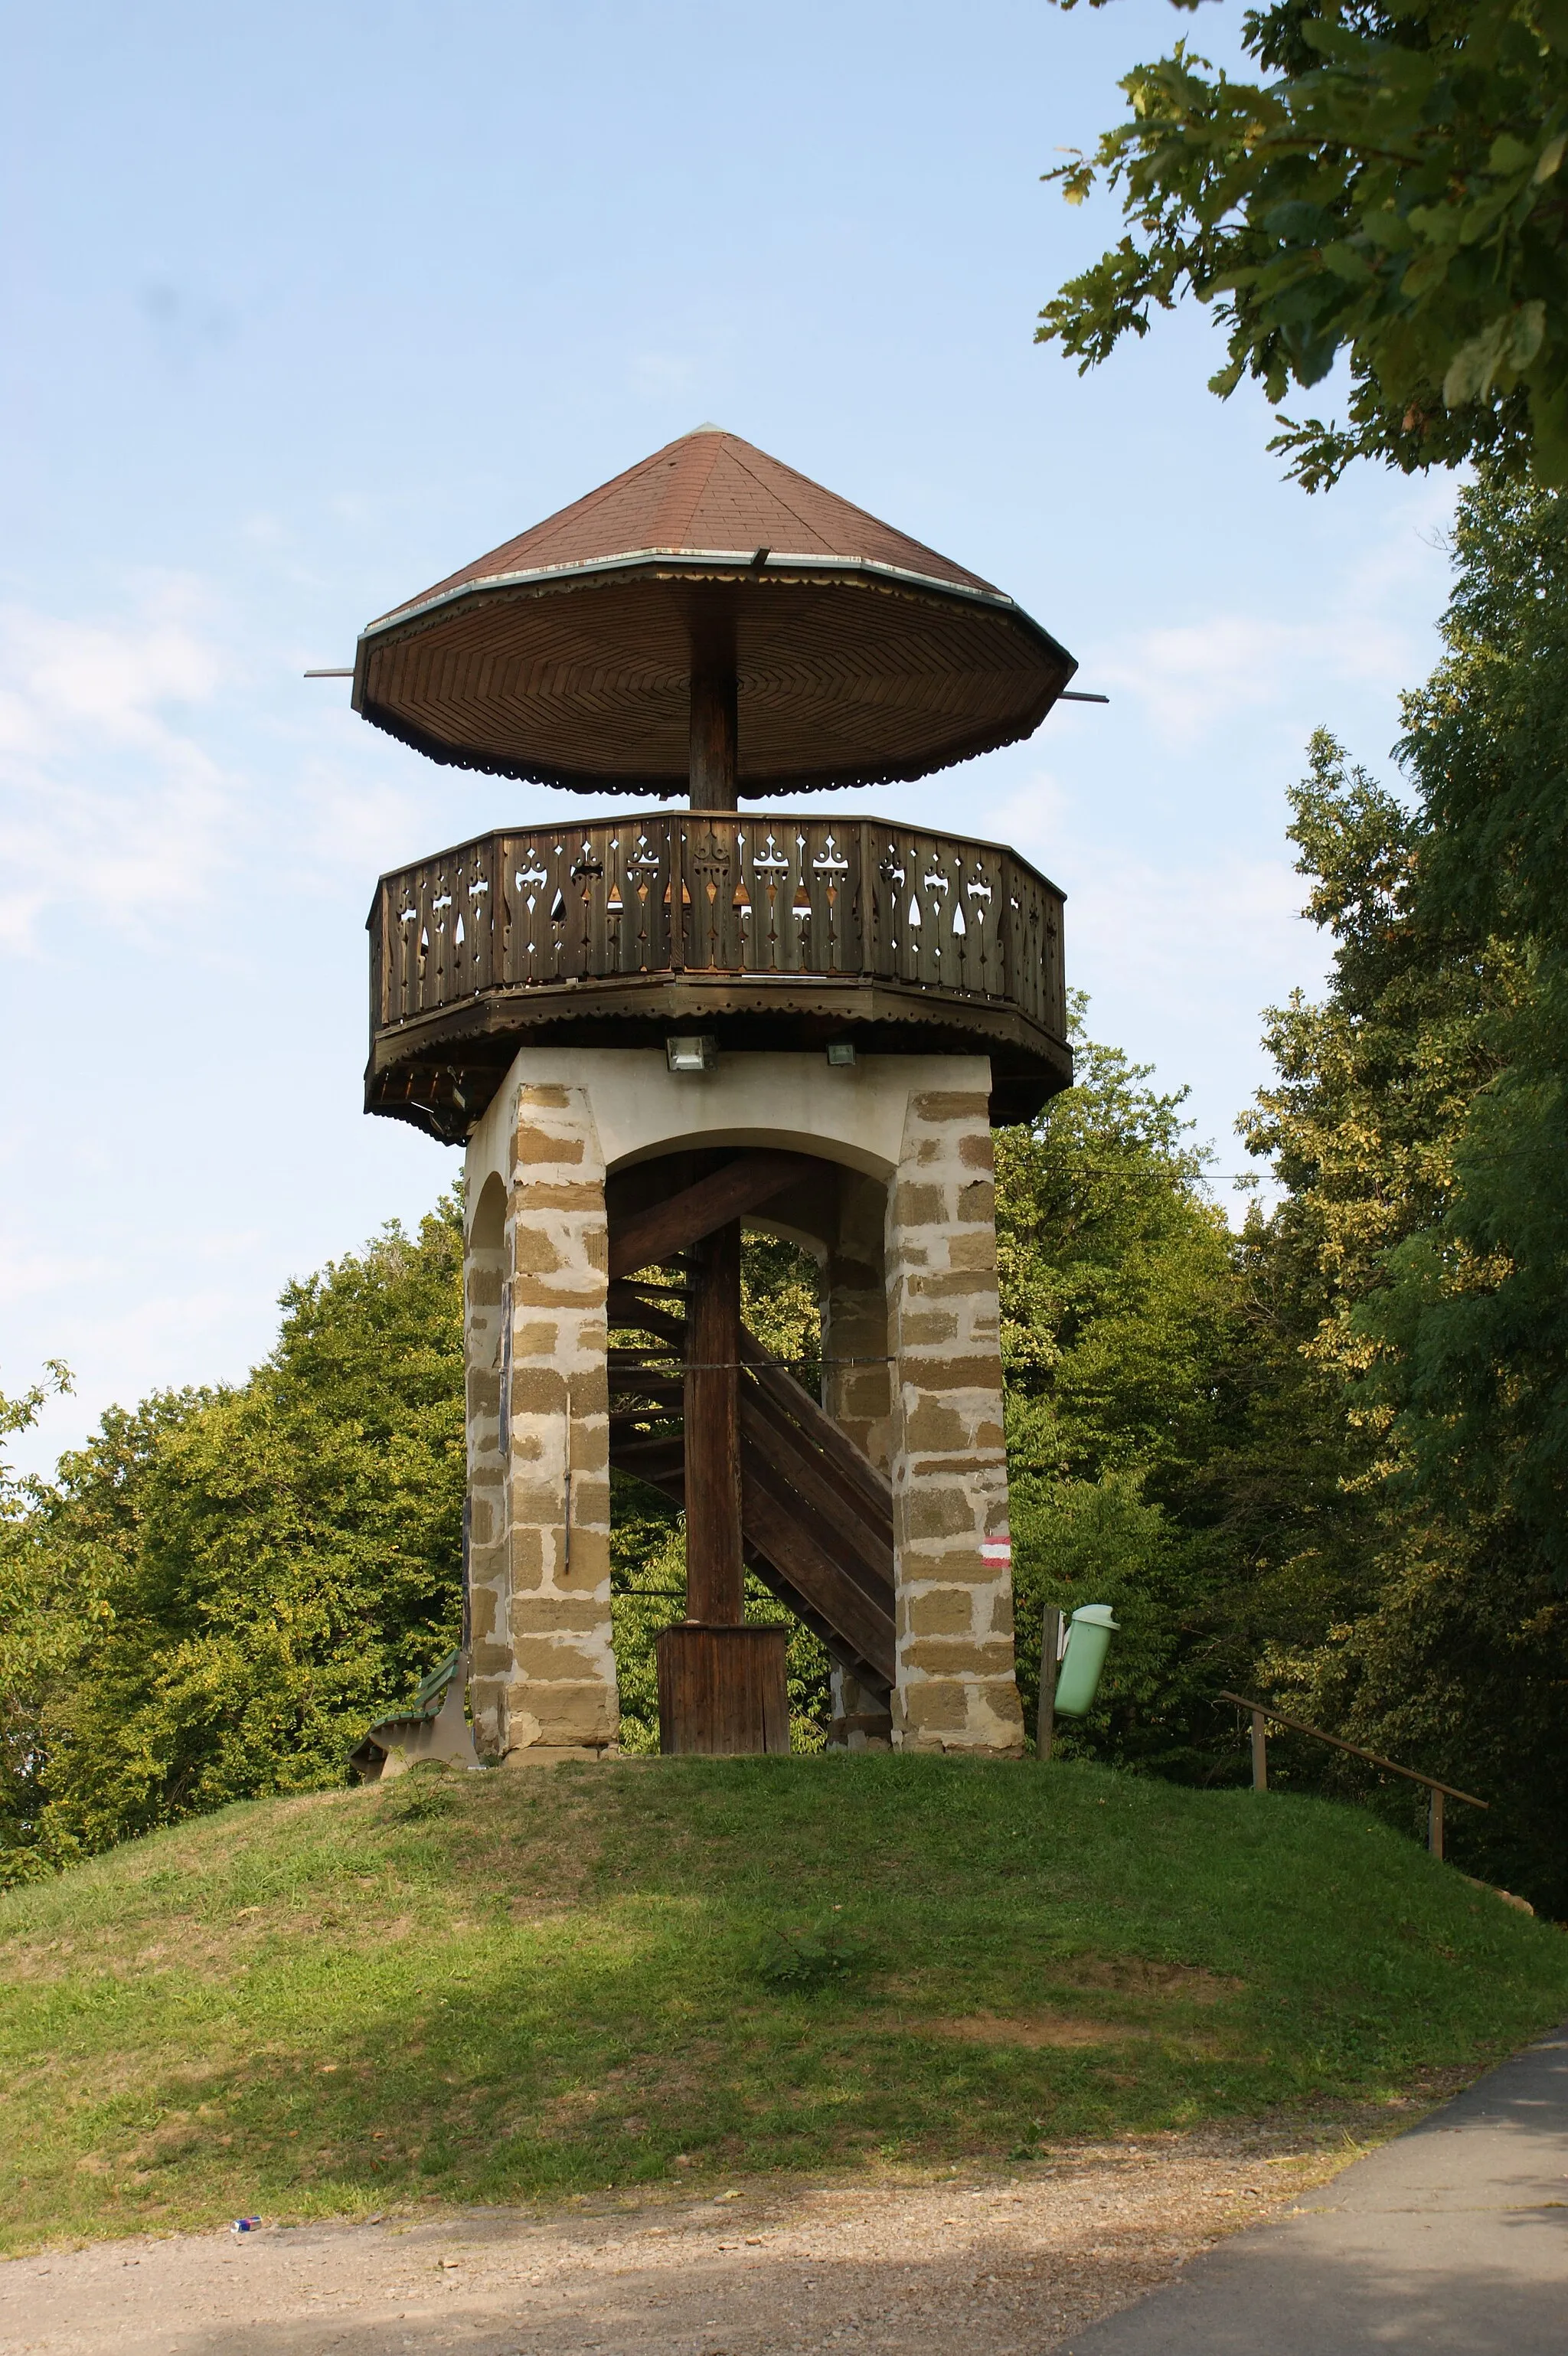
x=764, y=930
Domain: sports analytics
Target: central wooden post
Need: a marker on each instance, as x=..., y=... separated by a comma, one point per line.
x=714, y=749
x=722, y=1685
x=715, y=1573
x=714, y=736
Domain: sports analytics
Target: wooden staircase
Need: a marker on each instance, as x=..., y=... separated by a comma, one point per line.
x=815, y=1515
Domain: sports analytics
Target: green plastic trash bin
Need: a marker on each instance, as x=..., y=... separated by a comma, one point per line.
x=1089, y=1637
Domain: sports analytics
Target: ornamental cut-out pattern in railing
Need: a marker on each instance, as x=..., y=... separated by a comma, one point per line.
x=750, y=894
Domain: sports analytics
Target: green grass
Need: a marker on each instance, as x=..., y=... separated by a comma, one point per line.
x=531, y=1984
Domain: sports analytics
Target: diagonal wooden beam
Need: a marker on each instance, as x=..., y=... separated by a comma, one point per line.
x=816, y=1516
x=630, y=1424
x=788, y=1403
x=864, y=1551
x=660, y=1459
x=666, y=1228
x=669, y=1393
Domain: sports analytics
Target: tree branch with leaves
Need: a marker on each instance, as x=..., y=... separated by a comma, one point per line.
x=1391, y=192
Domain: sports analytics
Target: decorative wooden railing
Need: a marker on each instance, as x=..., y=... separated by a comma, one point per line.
x=756, y=895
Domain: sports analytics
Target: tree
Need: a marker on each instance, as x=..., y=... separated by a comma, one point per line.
x=1373, y=1086
x=35, y=1636
x=238, y=1579
x=1406, y=1452
x=1393, y=191
x=1119, y=1305
x=1475, y=1321
x=1371, y=1083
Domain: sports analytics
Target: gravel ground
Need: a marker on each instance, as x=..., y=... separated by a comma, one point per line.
x=996, y=2266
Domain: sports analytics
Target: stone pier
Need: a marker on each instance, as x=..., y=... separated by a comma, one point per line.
x=955, y=1689
x=544, y=1668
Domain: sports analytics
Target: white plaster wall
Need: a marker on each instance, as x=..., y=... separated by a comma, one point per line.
x=853, y=1113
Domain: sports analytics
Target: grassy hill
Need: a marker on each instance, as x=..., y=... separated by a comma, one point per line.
x=485, y=1987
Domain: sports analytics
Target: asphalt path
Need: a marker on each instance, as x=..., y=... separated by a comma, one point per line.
x=1454, y=2237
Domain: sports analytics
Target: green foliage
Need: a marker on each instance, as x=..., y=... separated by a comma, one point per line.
x=1463, y=1337
x=1114, y=1274
x=35, y=1636
x=1400, y=1477
x=563, y=1968
x=237, y=1580
x=1392, y=191
x=781, y=1288
x=798, y=1961
x=1120, y=1306
x=1374, y=1082
x=1477, y=1315
x=1106, y=1541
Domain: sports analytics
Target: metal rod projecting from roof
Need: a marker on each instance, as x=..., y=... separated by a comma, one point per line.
x=330, y=674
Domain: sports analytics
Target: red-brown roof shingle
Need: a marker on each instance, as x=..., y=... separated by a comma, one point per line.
x=707, y=492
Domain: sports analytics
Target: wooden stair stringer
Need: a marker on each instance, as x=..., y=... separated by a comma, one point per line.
x=816, y=1516
x=658, y=1462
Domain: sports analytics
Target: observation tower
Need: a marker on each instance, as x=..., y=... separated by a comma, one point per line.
x=649, y=1030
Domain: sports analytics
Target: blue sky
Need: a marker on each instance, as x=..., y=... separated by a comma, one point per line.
x=304, y=306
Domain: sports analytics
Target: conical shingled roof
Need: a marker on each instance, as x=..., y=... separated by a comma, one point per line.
x=565, y=656
x=709, y=493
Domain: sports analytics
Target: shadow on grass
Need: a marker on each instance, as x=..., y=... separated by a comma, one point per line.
x=546, y=1985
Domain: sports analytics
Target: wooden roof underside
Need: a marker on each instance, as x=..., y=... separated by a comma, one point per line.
x=843, y=678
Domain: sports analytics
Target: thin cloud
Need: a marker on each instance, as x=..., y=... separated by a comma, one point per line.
x=1374, y=631
x=109, y=805
x=1181, y=929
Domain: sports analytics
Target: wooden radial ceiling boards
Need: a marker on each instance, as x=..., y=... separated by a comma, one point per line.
x=711, y=616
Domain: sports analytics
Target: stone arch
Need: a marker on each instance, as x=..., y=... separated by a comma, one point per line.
x=895, y=1189
x=761, y=1137
x=487, y=1226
